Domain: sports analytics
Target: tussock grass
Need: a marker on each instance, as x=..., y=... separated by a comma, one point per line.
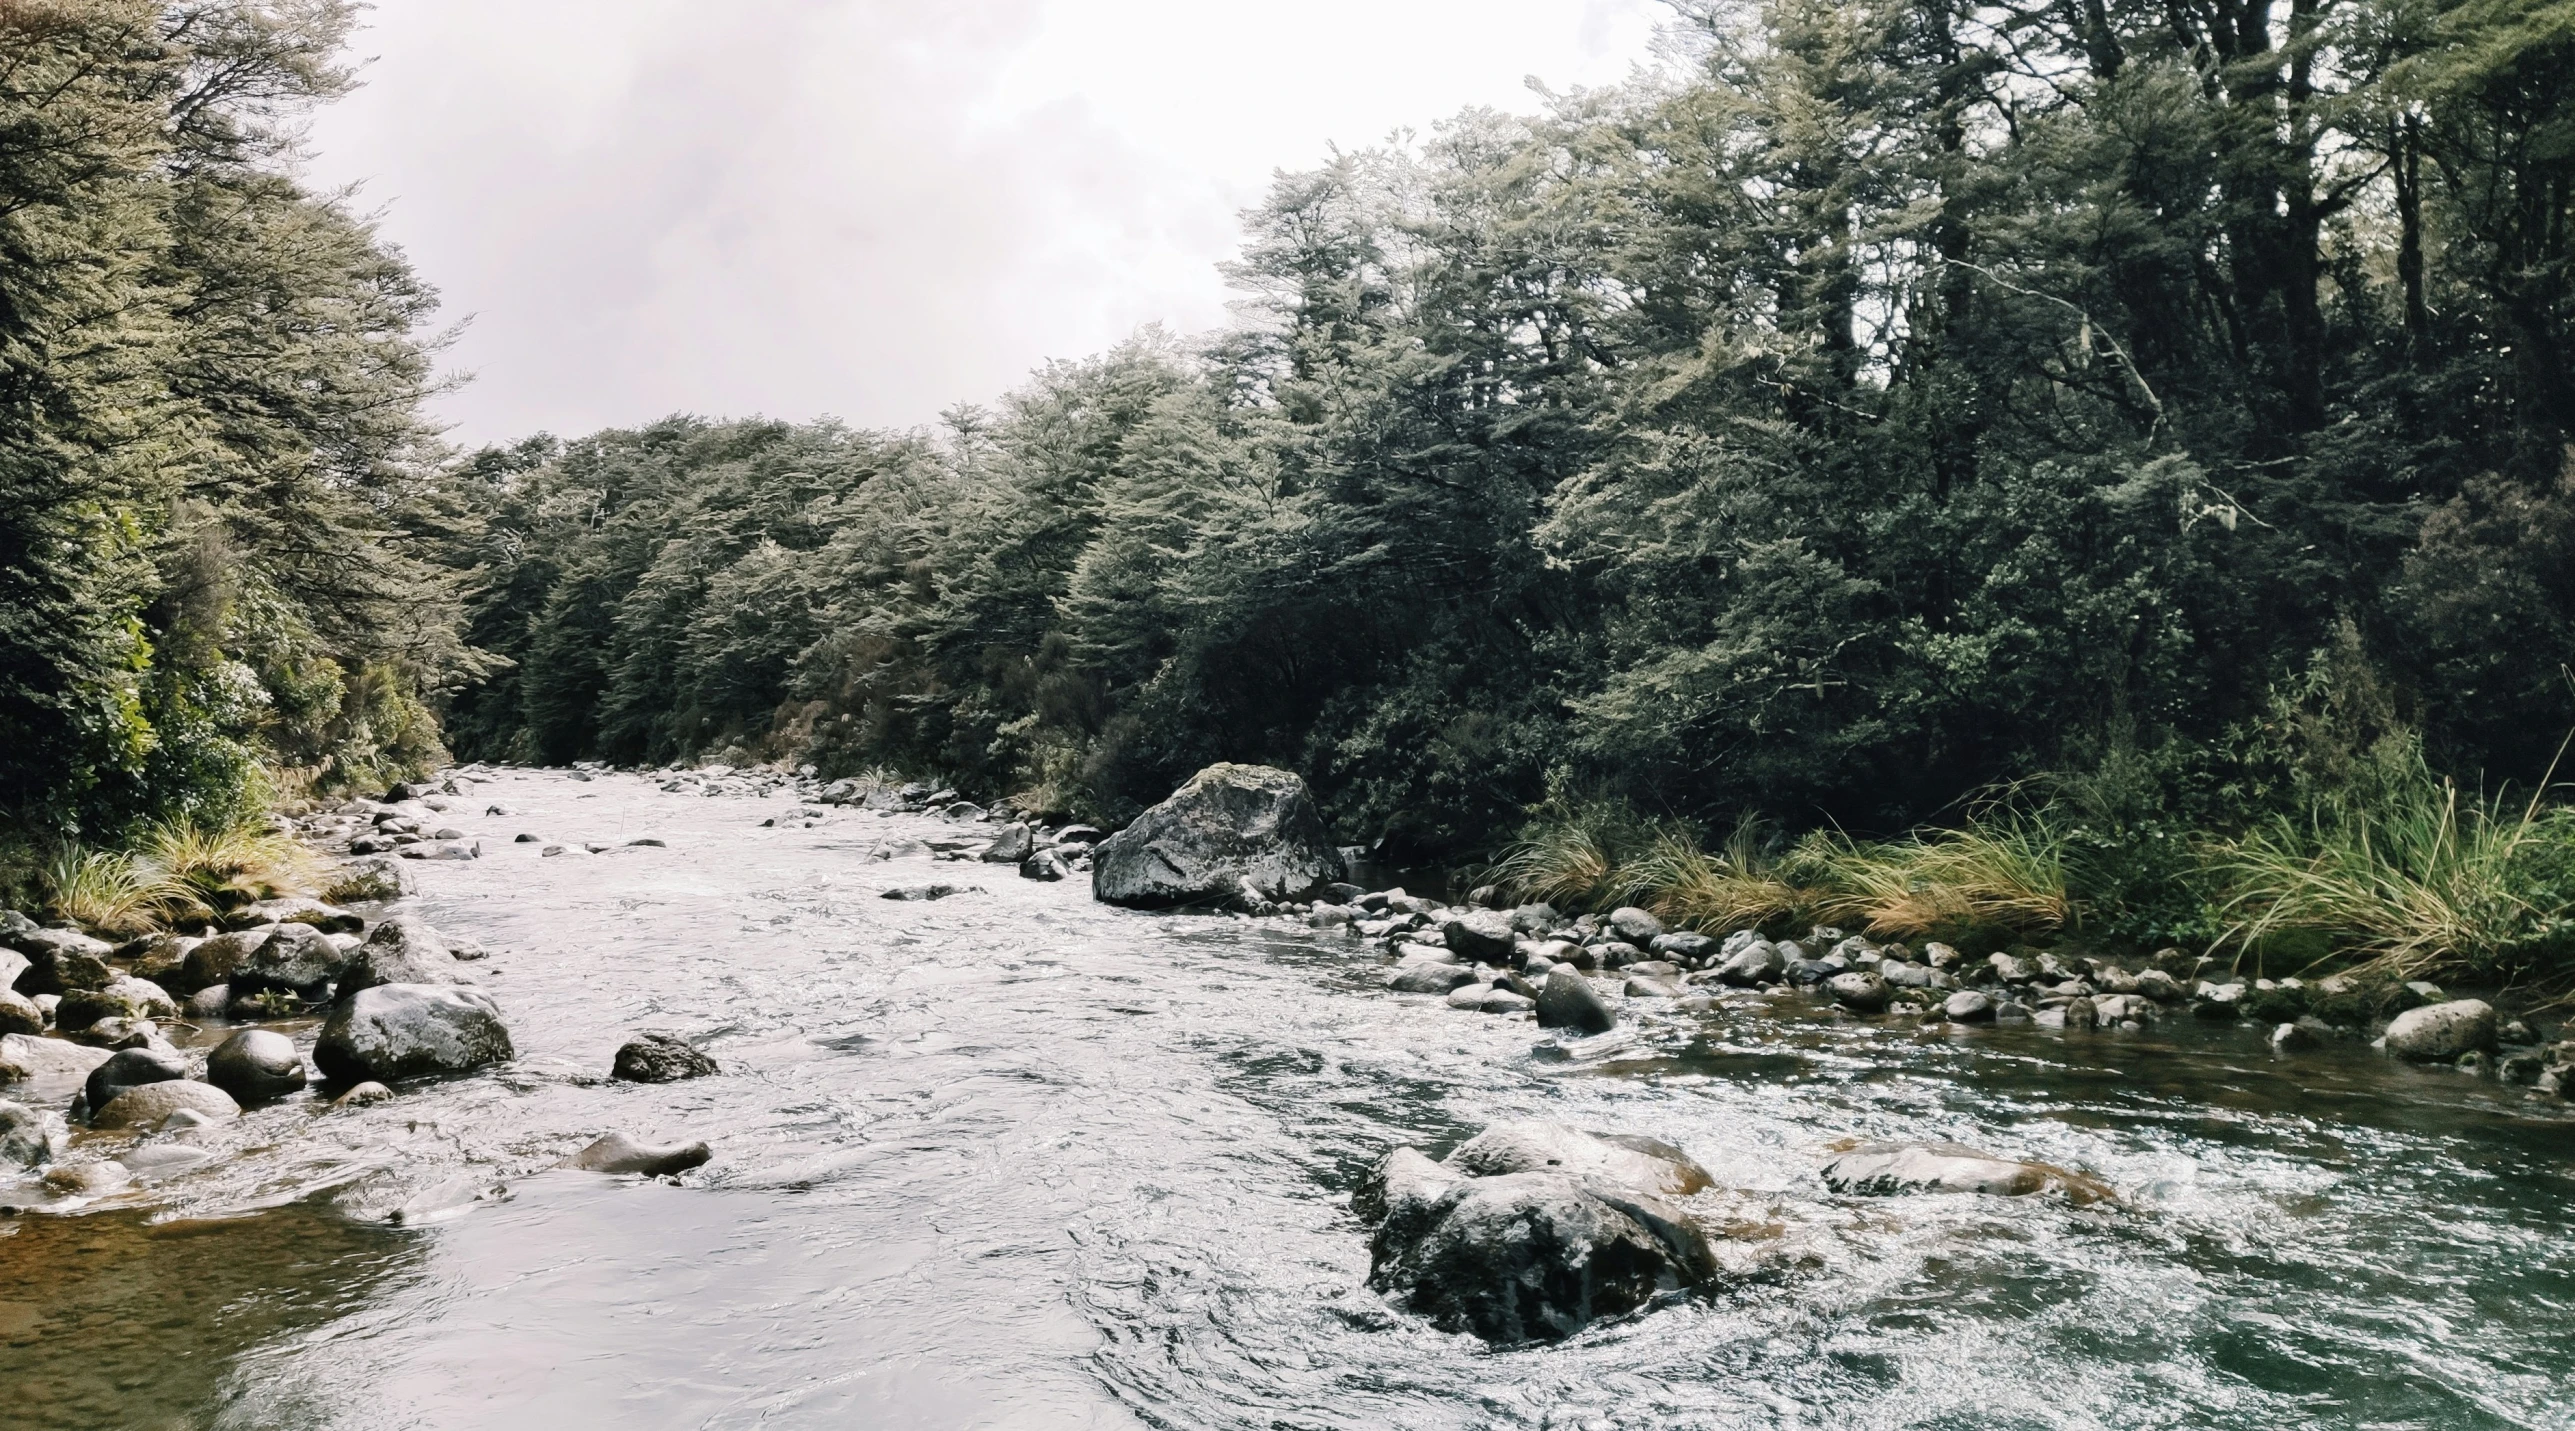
x=177, y=872
x=2414, y=875
x=1582, y=854
x=2004, y=870
x=223, y=866
x=1736, y=887
x=105, y=890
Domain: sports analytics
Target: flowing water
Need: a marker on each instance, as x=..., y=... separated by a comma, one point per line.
x=1013, y=1159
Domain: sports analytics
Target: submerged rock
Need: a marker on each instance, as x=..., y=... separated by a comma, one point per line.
x=1877, y=1169
x=660, y=1058
x=1011, y=844
x=397, y=1031
x=617, y=1153
x=29, y=1138
x=1531, y=1231
x=1232, y=831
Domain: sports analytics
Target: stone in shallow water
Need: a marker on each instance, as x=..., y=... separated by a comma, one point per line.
x=618, y=1153
x=1232, y=831
x=1568, y=1001
x=919, y=892
x=149, y=1105
x=396, y=1031
x=1878, y=1169
x=660, y=1058
x=2443, y=1031
x=256, y=1066
x=1532, y=1230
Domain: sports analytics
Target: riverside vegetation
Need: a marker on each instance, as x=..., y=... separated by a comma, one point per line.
x=2125, y=448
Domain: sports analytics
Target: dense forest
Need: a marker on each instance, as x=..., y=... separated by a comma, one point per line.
x=1882, y=413
x=211, y=382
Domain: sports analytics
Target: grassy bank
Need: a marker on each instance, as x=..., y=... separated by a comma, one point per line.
x=176, y=875
x=2400, y=872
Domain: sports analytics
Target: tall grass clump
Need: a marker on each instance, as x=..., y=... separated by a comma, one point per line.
x=1577, y=852
x=2414, y=875
x=218, y=867
x=1741, y=885
x=2004, y=870
x=106, y=890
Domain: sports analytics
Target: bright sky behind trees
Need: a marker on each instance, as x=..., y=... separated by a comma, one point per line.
x=872, y=208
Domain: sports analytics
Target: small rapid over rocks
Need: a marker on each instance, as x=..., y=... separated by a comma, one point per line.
x=719, y=1135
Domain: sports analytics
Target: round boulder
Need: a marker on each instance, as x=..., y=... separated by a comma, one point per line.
x=129, y=1069
x=19, y=1014
x=397, y=1031
x=147, y=1106
x=2444, y=1030
x=1568, y=1001
x=255, y=1066
x=1861, y=993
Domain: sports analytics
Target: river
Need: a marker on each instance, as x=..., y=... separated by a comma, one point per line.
x=1015, y=1159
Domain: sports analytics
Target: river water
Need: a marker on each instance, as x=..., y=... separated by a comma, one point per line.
x=1014, y=1159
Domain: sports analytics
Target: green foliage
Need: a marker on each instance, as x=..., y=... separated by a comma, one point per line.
x=2146, y=412
x=210, y=387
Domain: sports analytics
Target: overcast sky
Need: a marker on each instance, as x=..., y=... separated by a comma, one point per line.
x=872, y=208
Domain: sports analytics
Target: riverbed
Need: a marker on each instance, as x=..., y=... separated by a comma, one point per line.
x=1015, y=1159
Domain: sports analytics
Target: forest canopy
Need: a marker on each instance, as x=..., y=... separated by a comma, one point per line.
x=1900, y=399
x=1879, y=409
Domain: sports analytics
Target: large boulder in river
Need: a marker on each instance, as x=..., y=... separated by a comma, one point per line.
x=1232, y=832
x=131, y=1068
x=402, y=950
x=1532, y=1230
x=60, y=961
x=397, y=1031
x=2443, y=1031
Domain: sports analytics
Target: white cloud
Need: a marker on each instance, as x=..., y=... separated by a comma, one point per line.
x=872, y=208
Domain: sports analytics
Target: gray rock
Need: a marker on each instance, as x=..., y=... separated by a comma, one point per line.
x=1232, y=828
x=1862, y=993
x=617, y=1153
x=372, y=880
x=1430, y=977
x=49, y=1067
x=1757, y=962
x=1525, y=1256
x=1634, y=925
x=1045, y=866
x=1879, y=1169
x=311, y=913
x=297, y=959
x=2443, y=1030
x=1568, y=1001
x=1011, y=844
x=660, y=1058
x=2159, y=986
x=1536, y=1146
x=363, y=1095
x=398, y=1031
x=132, y=1068
x=1651, y=986
x=1910, y=976
x=60, y=961
x=1968, y=1006
x=401, y=950
x=150, y=1105
x=148, y=999
x=2219, y=1003
x=214, y=1001
x=919, y=893
x=1499, y=1000
x=1484, y=934
x=1684, y=948
x=123, y=1033
x=28, y=1138
x=2011, y=969
x=19, y=1014
x=214, y=961
x=256, y=1066
x=2292, y=1038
